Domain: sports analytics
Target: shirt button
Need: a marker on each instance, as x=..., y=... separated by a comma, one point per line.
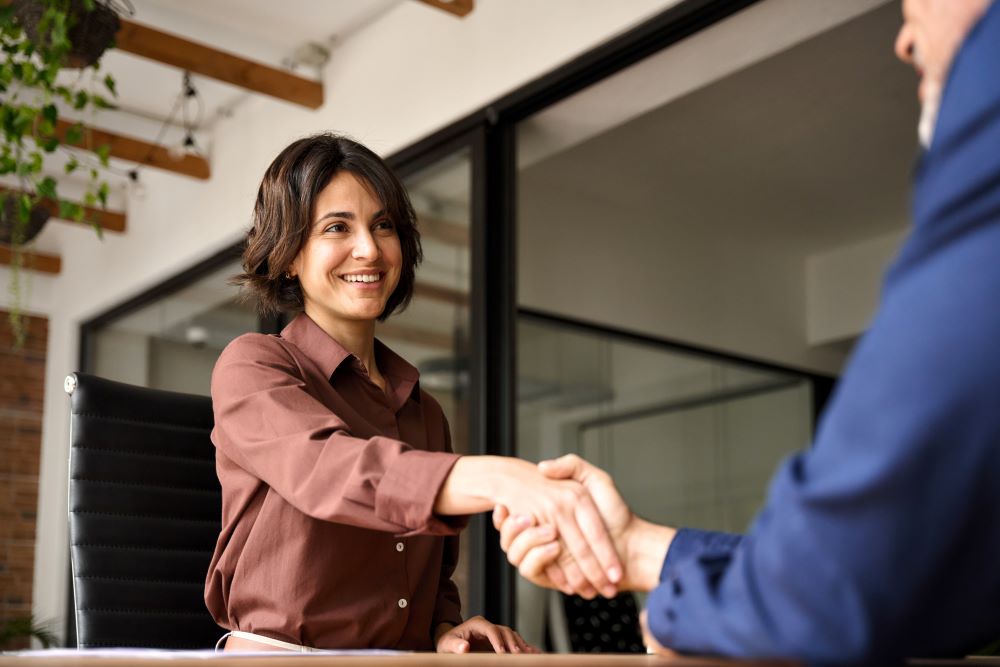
x=400, y=546
x=402, y=603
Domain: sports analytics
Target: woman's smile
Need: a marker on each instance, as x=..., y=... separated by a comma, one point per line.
x=368, y=280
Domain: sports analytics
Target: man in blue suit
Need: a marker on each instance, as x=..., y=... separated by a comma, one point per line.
x=883, y=539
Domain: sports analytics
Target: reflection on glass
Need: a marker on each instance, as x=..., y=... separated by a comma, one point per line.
x=433, y=332
x=173, y=343
x=690, y=440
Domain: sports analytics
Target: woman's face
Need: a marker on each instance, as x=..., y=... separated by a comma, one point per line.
x=350, y=263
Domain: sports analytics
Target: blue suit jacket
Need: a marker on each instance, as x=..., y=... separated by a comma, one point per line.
x=883, y=540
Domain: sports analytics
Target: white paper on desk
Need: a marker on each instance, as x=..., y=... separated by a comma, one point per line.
x=162, y=654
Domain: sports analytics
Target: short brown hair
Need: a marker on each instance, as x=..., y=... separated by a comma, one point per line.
x=282, y=218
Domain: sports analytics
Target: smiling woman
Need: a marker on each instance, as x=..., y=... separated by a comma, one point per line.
x=342, y=498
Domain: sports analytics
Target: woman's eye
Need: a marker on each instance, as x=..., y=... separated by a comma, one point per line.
x=385, y=225
x=336, y=227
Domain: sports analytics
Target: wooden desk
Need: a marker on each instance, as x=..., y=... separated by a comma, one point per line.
x=431, y=660
x=407, y=660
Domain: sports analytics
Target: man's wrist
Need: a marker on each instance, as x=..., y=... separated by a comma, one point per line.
x=646, y=546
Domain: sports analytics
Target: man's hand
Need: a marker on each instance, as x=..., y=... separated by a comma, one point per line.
x=478, y=634
x=589, y=560
x=532, y=547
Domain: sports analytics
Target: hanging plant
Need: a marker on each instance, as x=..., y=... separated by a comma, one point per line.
x=39, y=38
x=91, y=33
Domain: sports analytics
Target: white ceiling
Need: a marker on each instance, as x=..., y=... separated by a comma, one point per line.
x=810, y=149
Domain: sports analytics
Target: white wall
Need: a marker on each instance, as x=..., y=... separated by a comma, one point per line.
x=842, y=287
x=408, y=74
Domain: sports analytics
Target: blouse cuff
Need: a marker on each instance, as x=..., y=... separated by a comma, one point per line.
x=406, y=494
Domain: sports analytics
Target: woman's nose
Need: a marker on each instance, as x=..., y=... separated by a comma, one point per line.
x=365, y=246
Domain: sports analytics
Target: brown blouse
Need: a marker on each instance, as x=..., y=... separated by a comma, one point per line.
x=328, y=483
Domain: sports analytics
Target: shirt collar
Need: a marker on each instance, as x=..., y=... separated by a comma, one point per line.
x=403, y=377
x=329, y=355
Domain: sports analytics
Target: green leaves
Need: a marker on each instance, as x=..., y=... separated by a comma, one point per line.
x=70, y=210
x=33, y=165
x=102, y=194
x=49, y=117
x=100, y=102
x=24, y=204
x=103, y=153
x=46, y=188
x=32, y=95
x=17, y=628
x=74, y=134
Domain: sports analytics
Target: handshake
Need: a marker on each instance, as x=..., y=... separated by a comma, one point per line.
x=562, y=523
x=584, y=540
x=614, y=550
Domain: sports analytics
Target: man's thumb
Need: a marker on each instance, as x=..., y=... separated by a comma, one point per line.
x=565, y=467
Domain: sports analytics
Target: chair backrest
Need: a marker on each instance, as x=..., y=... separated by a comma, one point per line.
x=144, y=512
x=602, y=625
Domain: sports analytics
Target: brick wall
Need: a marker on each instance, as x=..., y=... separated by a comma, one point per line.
x=22, y=376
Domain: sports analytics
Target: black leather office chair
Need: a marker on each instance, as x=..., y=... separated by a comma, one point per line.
x=144, y=511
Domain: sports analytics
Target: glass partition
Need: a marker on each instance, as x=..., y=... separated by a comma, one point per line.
x=691, y=440
x=172, y=343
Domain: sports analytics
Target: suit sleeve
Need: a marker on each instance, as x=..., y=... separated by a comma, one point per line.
x=270, y=425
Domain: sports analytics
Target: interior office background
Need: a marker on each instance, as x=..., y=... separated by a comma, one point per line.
x=698, y=241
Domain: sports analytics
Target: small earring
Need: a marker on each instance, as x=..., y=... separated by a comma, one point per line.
x=288, y=276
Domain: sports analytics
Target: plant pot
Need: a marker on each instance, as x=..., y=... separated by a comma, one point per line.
x=91, y=35
x=8, y=221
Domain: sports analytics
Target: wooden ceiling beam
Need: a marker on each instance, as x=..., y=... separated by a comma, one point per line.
x=169, y=49
x=35, y=261
x=112, y=221
x=457, y=7
x=136, y=150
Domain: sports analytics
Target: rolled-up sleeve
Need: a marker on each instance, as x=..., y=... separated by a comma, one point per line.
x=268, y=423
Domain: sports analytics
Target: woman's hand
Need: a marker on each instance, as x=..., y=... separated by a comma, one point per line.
x=539, y=558
x=478, y=634
x=588, y=558
x=532, y=549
